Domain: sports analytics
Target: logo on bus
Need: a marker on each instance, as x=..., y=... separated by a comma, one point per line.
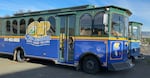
x=36, y=33
x=116, y=53
x=116, y=46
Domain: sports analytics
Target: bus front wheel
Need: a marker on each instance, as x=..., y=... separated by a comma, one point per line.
x=90, y=65
x=20, y=56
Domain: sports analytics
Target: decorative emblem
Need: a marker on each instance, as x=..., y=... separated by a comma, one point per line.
x=36, y=33
x=116, y=46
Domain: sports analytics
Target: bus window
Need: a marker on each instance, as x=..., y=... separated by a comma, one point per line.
x=15, y=27
x=22, y=26
x=8, y=26
x=30, y=20
x=135, y=32
x=40, y=19
x=52, y=29
x=72, y=25
x=62, y=23
x=118, y=25
x=98, y=27
x=86, y=24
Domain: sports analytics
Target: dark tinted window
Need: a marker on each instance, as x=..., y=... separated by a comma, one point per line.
x=22, y=26
x=30, y=20
x=15, y=28
x=8, y=26
x=41, y=19
x=86, y=25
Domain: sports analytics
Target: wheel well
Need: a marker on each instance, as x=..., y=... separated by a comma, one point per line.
x=15, y=52
x=86, y=55
x=21, y=49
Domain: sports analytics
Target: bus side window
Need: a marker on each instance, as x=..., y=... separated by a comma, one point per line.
x=22, y=27
x=15, y=27
x=86, y=25
x=52, y=29
x=99, y=29
x=8, y=26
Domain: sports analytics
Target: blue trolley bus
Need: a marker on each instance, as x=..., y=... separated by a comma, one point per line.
x=86, y=37
x=135, y=40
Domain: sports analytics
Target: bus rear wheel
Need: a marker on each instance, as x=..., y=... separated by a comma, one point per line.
x=90, y=65
x=20, y=56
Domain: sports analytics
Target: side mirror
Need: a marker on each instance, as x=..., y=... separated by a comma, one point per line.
x=105, y=19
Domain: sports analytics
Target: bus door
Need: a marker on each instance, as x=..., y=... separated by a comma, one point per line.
x=67, y=31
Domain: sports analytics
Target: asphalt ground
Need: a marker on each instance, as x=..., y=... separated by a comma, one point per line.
x=45, y=69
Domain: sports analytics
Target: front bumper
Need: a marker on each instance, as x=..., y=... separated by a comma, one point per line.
x=120, y=66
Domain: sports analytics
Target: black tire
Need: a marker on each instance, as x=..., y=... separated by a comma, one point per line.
x=20, y=56
x=90, y=65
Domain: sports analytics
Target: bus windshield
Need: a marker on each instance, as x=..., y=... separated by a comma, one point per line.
x=135, y=34
x=119, y=25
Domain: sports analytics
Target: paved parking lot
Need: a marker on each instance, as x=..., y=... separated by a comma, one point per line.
x=43, y=69
x=8, y=66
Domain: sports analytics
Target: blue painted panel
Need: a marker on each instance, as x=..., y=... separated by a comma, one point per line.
x=135, y=45
x=48, y=51
x=134, y=48
x=117, y=51
x=96, y=47
x=8, y=45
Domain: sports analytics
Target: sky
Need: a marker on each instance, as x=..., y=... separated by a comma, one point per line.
x=139, y=8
